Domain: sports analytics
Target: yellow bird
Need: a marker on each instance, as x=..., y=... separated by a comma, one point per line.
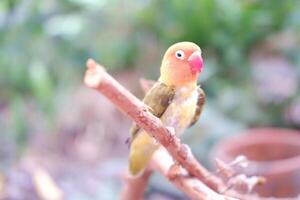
x=175, y=99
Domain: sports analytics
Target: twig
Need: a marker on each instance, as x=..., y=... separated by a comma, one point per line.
x=192, y=187
x=96, y=77
x=45, y=186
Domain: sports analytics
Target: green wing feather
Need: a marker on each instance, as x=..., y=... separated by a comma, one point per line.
x=157, y=99
x=199, y=108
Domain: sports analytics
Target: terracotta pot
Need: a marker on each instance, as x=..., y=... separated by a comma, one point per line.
x=273, y=153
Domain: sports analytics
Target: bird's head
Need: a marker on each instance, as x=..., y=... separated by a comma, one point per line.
x=181, y=64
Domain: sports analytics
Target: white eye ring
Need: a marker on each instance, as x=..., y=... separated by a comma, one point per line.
x=180, y=54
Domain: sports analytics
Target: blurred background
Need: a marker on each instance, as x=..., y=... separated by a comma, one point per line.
x=61, y=140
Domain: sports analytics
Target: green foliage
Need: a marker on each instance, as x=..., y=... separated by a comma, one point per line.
x=229, y=28
x=228, y=31
x=251, y=51
x=44, y=46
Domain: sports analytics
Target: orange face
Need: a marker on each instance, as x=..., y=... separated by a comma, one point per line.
x=181, y=64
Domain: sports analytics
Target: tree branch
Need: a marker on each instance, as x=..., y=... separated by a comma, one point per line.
x=97, y=78
x=202, y=184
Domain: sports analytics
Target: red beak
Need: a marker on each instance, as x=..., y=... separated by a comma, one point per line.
x=196, y=62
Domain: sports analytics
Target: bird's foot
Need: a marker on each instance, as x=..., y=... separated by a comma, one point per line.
x=148, y=108
x=174, y=171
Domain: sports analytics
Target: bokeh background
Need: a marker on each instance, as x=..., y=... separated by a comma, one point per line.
x=61, y=140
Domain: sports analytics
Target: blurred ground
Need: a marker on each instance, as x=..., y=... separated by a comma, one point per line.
x=54, y=128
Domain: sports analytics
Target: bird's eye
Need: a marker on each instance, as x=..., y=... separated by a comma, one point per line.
x=179, y=54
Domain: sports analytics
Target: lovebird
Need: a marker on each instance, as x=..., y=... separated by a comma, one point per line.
x=175, y=98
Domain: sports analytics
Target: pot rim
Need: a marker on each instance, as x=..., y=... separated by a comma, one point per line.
x=260, y=136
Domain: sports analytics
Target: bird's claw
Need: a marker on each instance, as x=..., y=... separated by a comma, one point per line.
x=148, y=108
x=174, y=171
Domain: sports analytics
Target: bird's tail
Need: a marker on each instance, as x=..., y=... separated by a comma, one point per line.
x=141, y=149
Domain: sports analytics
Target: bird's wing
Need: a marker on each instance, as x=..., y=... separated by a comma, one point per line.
x=199, y=108
x=157, y=99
